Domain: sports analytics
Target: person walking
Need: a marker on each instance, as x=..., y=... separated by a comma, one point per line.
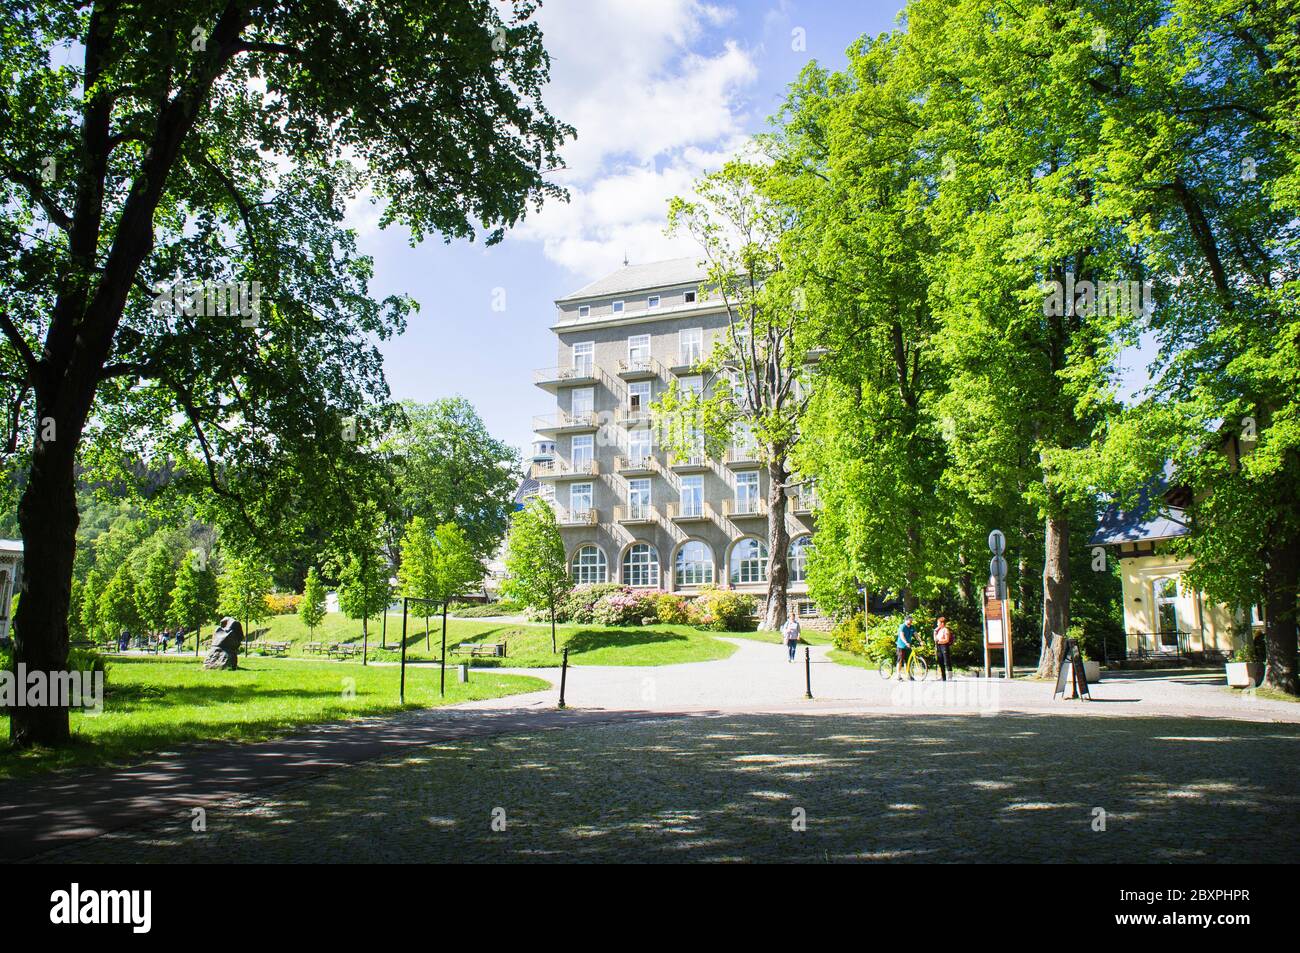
x=790, y=632
x=942, y=645
x=906, y=639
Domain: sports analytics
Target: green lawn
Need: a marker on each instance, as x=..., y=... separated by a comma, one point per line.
x=807, y=636
x=528, y=645
x=152, y=705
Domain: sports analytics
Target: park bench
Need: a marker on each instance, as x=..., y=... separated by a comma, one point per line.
x=279, y=649
x=314, y=648
x=343, y=650
x=480, y=649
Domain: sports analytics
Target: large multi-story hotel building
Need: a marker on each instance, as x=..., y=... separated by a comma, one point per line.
x=630, y=511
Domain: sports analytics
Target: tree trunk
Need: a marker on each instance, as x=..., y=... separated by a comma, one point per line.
x=910, y=600
x=966, y=581
x=778, y=544
x=554, y=648
x=1280, y=588
x=48, y=518
x=1056, y=592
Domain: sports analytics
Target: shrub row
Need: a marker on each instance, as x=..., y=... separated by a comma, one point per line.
x=283, y=603
x=719, y=610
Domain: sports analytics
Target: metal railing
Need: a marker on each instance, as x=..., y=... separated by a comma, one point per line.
x=693, y=511
x=640, y=366
x=635, y=514
x=563, y=468
x=736, y=508
x=562, y=420
x=587, y=517
x=643, y=464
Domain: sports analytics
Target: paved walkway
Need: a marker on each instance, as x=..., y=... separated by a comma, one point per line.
x=751, y=687
x=758, y=678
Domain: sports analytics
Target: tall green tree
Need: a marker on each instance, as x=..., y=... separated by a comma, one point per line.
x=449, y=469
x=194, y=597
x=243, y=587
x=154, y=154
x=363, y=570
x=537, y=572
x=153, y=593
x=312, y=609
x=740, y=221
x=455, y=567
x=117, y=606
x=418, y=572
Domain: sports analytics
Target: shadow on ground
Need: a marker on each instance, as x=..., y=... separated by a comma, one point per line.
x=734, y=788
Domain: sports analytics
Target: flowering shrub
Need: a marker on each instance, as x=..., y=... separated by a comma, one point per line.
x=282, y=603
x=580, y=604
x=722, y=610
x=629, y=607
x=670, y=610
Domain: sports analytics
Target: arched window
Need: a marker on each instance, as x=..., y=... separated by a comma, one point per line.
x=799, y=558
x=641, y=566
x=694, y=564
x=748, y=562
x=589, y=565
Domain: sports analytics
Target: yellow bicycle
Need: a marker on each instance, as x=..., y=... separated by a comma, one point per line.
x=915, y=666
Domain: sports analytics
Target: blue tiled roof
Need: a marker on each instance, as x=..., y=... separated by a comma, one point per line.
x=527, y=487
x=1150, y=518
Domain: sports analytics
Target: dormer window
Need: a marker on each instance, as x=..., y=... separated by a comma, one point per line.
x=652, y=301
x=690, y=297
x=584, y=310
x=617, y=307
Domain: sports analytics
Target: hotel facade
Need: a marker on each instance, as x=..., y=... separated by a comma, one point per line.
x=629, y=510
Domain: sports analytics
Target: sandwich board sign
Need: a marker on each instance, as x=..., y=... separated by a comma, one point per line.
x=1072, y=673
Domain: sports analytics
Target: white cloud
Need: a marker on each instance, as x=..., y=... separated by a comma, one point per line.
x=656, y=97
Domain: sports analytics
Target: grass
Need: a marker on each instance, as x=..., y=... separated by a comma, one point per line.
x=152, y=705
x=528, y=645
x=807, y=636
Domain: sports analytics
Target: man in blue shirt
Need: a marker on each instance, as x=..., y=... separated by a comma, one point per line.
x=906, y=639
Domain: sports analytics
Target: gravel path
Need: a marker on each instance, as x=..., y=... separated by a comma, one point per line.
x=707, y=760
x=1014, y=787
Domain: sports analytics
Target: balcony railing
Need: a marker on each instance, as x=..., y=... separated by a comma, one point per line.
x=687, y=361
x=742, y=507
x=633, y=367
x=742, y=455
x=693, y=462
x=562, y=420
x=689, y=511
x=634, y=415
x=559, y=469
x=647, y=463
x=636, y=514
x=587, y=517
x=583, y=373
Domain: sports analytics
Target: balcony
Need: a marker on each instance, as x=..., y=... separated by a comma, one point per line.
x=688, y=464
x=634, y=416
x=553, y=378
x=563, y=422
x=744, y=509
x=636, y=514
x=563, y=469
x=646, y=464
x=689, y=512
x=803, y=504
x=565, y=517
x=742, y=456
x=640, y=368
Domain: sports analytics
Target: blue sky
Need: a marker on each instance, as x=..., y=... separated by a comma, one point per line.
x=660, y=91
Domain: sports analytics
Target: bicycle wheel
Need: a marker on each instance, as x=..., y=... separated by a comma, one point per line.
x=887, y=668
x=918, y=669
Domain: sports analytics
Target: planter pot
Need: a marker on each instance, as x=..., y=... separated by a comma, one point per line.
x=1092, y=670
x=1244, y=674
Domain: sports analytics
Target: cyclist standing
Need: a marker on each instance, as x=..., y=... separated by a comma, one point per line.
x=942, y=644
x=904, y=643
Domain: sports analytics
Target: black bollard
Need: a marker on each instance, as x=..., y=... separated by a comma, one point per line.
x=564, y=672
x=807, y=671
